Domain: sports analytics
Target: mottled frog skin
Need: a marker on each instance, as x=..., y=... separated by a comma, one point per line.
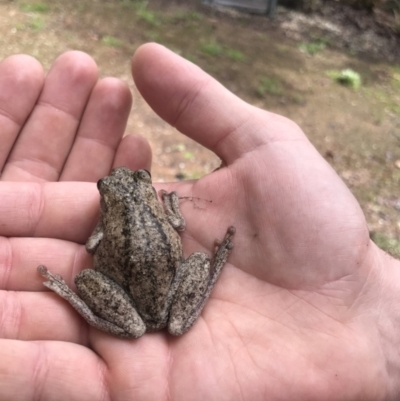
x=140, y=281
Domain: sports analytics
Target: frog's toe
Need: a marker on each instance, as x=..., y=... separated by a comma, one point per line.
x=176, y=326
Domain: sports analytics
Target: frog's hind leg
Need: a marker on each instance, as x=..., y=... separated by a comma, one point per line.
x=199, y=277
x=162, y=322
x=102, y=303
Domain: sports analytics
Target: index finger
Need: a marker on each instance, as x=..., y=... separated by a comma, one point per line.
x=64, y=210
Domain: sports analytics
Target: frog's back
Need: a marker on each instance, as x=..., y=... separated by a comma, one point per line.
x=141, y=251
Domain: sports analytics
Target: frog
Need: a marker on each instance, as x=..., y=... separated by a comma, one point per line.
x=140, y=281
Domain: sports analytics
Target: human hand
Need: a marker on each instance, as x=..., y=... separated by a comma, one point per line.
x=305, y=309
x=67, y=126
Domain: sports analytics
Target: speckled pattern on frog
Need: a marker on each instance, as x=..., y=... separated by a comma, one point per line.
x=140, y=280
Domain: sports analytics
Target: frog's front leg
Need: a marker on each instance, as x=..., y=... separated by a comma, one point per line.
x=171, y=207
x=94, y=240
x=102, y=302
x=196, y=285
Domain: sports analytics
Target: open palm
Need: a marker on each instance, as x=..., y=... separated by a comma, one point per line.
x=301, y=308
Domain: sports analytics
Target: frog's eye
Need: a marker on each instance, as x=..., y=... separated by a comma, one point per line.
x=143, y=175
x=99, y=184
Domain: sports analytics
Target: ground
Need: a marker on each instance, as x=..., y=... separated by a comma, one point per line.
x=285, y=66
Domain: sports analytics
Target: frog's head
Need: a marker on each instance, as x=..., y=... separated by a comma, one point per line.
x=126, y=186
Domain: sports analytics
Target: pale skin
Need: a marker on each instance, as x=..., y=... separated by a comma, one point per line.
x=307, y=307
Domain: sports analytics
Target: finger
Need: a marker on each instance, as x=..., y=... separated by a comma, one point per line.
x=102, y=127
x=200, y=107
x=21, y=80
x=54, y=210
x=22, y=256
x=29, y=311
x=138, y=368
x=50, y=371
x=41, y=316
x=47, y=137
x=133, y=152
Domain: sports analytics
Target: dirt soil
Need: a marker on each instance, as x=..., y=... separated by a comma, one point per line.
x=285, y=65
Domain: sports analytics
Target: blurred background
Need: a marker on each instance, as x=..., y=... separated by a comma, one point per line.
x=331, y=66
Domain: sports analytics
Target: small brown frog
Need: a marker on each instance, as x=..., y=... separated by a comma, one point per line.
x=140, y=281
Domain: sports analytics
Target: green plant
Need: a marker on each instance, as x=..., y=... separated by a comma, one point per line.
x=212, y=49
x=37, y=24
x=297, y=98
x=235, y=55
x=194, y=175
x=35, y=7
x=271, y=86
x=186, y=16
x=111, y=41
x=313, y=47
x=194, y=16
x=346, y=77
x=190, y=57
x=128, y=4
x=147, y=15
x=178, y=147
x=388, y=244
x=188, y=155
